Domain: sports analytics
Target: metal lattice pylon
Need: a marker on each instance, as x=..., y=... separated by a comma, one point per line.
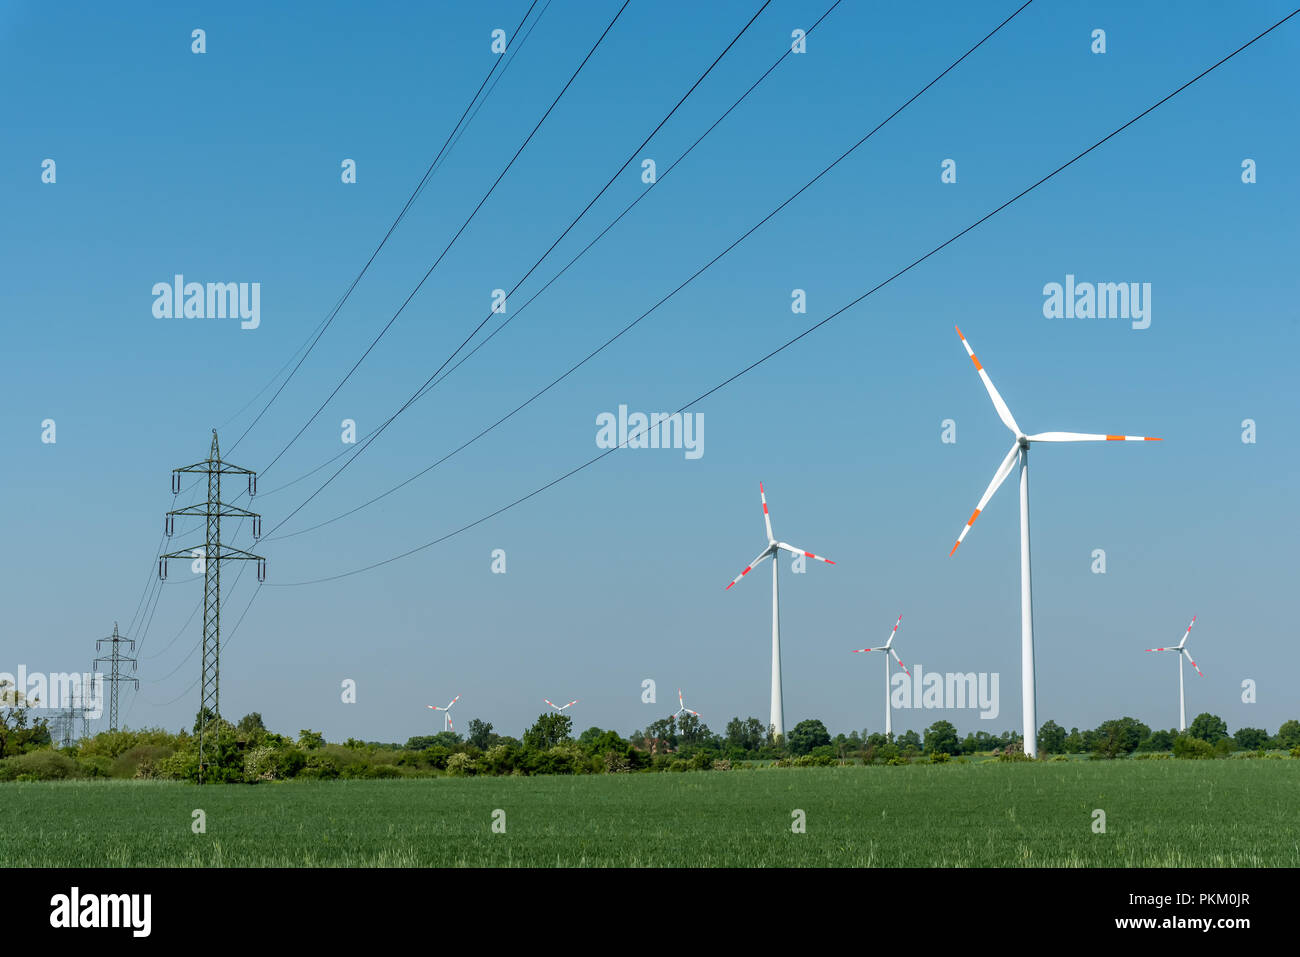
x=116, y=659
x=212, y=555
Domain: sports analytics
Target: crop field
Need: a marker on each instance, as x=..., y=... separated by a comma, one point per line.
x=1157, y=813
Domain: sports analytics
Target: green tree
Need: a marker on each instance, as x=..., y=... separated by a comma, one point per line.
x=1157, y=741
x=1120, y=736
x=250, y=726
x=941, y=738
x=1209, y=728
x=1051, y=738
x=909, y=741
x=548, y=730
x=310, y=740
x=1250, y=739
x=480, y=734
x=1288, y=736
x=17, y=736
x=806, y=735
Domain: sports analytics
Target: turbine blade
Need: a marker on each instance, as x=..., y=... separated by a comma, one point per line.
x=1189, y=658
x=1089, y=437
x=552, y=703
x=999, y=477
x=453, y=701
x=799, y=551
x=900, y=662
x=571, y=703
x=1161, y=649
x=696, y=713
x=766, y=552
x=767, y=519
x=450, y=723
x=1004, y=413
x=1187, y=632
x=894, y=632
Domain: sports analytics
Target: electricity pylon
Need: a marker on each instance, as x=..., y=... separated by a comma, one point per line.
x=115, y=660
x=211, y=556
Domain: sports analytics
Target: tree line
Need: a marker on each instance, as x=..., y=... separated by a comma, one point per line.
x=248, y=752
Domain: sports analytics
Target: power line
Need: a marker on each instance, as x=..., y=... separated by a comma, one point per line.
x=329, y=319
x=810, y=329
x=457, y=235
x=430, y=385
x=632, y=156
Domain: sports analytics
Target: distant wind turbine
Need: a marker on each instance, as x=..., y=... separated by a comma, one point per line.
x=778, y=713
x=1020, y=451
x=1181, y=649
x=887, y=647
x=446, y=714
x=683, y=708
x=558, y=707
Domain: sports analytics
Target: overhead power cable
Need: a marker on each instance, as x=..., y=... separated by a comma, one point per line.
x=429, y=386
x=310, y=342
x=451, y=243
x=632, y=156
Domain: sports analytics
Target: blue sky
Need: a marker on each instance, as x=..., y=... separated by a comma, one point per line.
x=226, y=167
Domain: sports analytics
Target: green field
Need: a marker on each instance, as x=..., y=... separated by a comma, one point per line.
x=1158, y=813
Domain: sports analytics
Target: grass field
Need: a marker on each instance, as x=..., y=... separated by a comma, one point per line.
x=1158, y=813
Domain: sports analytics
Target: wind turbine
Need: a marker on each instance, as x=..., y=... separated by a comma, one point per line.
x=1020, y=451
x=683, y=708
x=446, y=714
x=1181, y=649
x=888, y=648
x=778, y=712
x=557, y=707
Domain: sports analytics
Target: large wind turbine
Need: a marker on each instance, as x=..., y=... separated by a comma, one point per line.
x=558, y=707
x=773, y=546
x=888, y=648
x=1181, y=649
x=1020, y=452
x=446, y=714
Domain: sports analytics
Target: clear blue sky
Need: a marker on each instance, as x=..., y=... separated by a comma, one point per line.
x=226, y=167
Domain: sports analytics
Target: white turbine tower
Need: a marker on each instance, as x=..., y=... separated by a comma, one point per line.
x=773, y=546
x=1020, y=452
x=558, y=707
x=1181, y=649
x=446, y=714
x=888, y=648
x=683, y=708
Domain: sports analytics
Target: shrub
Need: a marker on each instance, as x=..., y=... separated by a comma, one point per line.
x=616, y=763
x=459, y=765
x=1192, y=748
x=130, y=762
x=939, y=757
x=41, y=766
x=722, y=764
